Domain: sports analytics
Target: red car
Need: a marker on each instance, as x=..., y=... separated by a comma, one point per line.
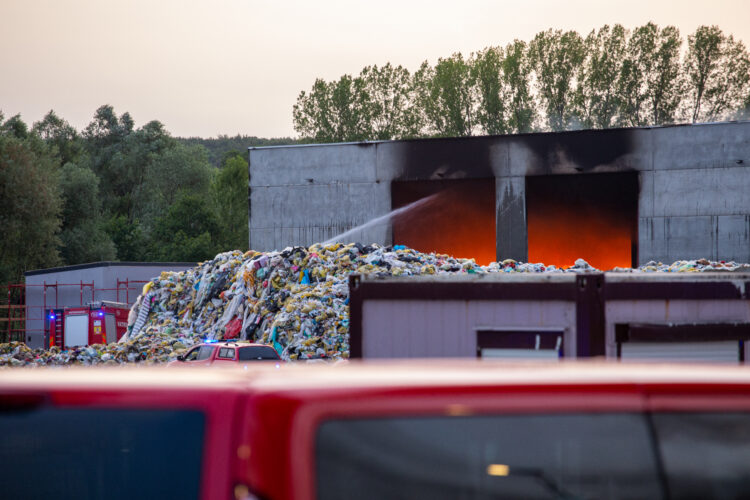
x=225, y=353
x=413, y=430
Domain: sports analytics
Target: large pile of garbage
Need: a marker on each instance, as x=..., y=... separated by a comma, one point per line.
x=296, y=300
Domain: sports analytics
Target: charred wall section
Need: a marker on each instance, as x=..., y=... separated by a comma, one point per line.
x=692, y=197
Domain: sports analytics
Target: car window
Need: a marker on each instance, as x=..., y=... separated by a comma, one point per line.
x=226, y=353
x=257, y=353
x=602, y=456
x=706, y=455
x=205, y=352
x=192, y=355
x=92, y=453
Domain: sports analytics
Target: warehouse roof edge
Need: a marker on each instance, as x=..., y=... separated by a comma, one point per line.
x=475, y=137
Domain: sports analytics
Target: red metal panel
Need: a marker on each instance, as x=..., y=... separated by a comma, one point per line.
x=219, y=446
x=97, y=332
x=121, y=319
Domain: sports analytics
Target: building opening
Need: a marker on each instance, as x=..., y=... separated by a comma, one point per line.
x=457, y=218
x=589, y=216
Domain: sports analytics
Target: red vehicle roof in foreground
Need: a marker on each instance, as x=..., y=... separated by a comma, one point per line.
x=264, y=419
x=313, y=378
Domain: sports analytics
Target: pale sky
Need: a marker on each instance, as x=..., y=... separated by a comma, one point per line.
x=205, y=68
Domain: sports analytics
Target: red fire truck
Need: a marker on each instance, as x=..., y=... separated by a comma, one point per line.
x=100, y=322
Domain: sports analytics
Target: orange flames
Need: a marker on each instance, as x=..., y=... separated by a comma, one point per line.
x=589, y=216
x=459, y=221
x=565, y=234
x=593, y=217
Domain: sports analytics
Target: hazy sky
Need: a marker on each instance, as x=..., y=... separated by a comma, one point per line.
x=205, y=68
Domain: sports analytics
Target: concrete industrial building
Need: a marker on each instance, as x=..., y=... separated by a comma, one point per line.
x=662, y=193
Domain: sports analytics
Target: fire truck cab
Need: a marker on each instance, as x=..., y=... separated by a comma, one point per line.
x=101, y=322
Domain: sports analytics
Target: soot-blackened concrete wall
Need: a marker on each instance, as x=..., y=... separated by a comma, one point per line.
x=694, y=185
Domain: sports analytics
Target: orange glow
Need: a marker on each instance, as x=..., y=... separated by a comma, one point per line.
x=459, y=221
x=592, y=217
x=565, y=234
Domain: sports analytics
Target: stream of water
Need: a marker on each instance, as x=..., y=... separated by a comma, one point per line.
x=382, y=219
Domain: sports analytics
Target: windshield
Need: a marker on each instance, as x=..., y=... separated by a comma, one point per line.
x=205, y=352
x=706, y=455
x=592, y=456
x=597, y=456
x=256, y=353
x=93, y=453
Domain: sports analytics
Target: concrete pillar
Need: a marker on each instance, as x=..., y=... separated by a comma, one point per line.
x=510, y=218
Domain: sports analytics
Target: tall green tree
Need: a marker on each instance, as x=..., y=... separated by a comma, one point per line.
x=517, y=76
x=487, y=78
x=187, y=232
x=82, y=231
x=650, y=86
x=133, y=174
x=597, y=100
x=83, y=234
x=142, y=172
x=177, y=169
x=446, y=96
x=557, y=57
x=390, y=102
x=130, y=241
x=333, y=112
x=717, y=69
x=31, y=202
x=107, y=142
x=61, y=135
x=230, y=191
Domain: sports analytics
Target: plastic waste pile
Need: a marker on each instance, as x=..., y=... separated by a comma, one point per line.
x=688, y=266
x=296, y=300
x=156, y=349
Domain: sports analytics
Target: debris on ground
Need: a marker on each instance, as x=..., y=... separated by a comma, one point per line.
x=295, y=300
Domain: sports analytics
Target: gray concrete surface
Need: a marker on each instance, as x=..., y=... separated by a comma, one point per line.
x=447, y=328
x=694, y=198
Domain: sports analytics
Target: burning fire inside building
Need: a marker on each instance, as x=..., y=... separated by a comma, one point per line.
x=592, y=216
x=457, y=218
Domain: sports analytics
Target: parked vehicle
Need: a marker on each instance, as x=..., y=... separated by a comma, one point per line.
x=224, y=353
x=391, y=430
x=100, y=322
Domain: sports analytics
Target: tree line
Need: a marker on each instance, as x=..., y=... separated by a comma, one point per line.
x=560, y=80
x=224, y=146
x=116, y=192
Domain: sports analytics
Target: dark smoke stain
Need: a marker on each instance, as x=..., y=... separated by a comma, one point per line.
x=469, y=157
x=585, y=149
x=450, y=158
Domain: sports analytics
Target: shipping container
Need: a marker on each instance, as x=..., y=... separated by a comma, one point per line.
x=642, y=316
